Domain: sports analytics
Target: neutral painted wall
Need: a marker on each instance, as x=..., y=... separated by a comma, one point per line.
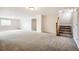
x=75, y=26
x=78, y=23
x=77, y=39
x=26, y=24
x=49, y=23
x=22, y=17
x=15, y=24
x=65, y=17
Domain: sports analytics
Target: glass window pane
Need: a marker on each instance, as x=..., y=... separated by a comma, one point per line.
x=6, y=22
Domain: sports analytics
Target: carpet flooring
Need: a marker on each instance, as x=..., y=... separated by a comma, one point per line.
x=32, y=41
x=55, y=44
x=63, y=44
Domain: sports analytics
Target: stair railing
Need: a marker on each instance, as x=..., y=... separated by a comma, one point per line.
x=57, y=27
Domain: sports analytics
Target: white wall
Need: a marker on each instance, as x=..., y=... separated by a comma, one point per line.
x=49, y=18
x=75, y=26
x=15, y=24
x=49, y=23
x=78, y=23
x=26, y=24
x=23, y=17
x=65, y=17
x=15, y=14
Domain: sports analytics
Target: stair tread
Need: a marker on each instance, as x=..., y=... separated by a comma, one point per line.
x=66, y=35
x=65, y=27
x=65, y=31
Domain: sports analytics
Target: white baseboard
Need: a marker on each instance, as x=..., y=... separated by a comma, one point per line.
x=50, y=33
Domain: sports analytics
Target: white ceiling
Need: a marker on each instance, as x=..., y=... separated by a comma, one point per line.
x=40, y=10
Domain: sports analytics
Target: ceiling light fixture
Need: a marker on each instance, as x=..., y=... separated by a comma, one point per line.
x=32, y=8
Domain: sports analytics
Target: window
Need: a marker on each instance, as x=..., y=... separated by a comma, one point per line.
x=5, y=22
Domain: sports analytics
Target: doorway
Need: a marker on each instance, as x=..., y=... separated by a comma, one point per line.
x=34, y=25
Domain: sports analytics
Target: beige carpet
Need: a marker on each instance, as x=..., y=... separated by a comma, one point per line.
x=22, y=41
x=63, y=44
x=56, y=44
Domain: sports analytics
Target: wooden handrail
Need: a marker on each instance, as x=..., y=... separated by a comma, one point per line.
x=57, y=27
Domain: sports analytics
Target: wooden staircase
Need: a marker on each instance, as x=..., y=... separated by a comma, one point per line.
x=65, y=31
